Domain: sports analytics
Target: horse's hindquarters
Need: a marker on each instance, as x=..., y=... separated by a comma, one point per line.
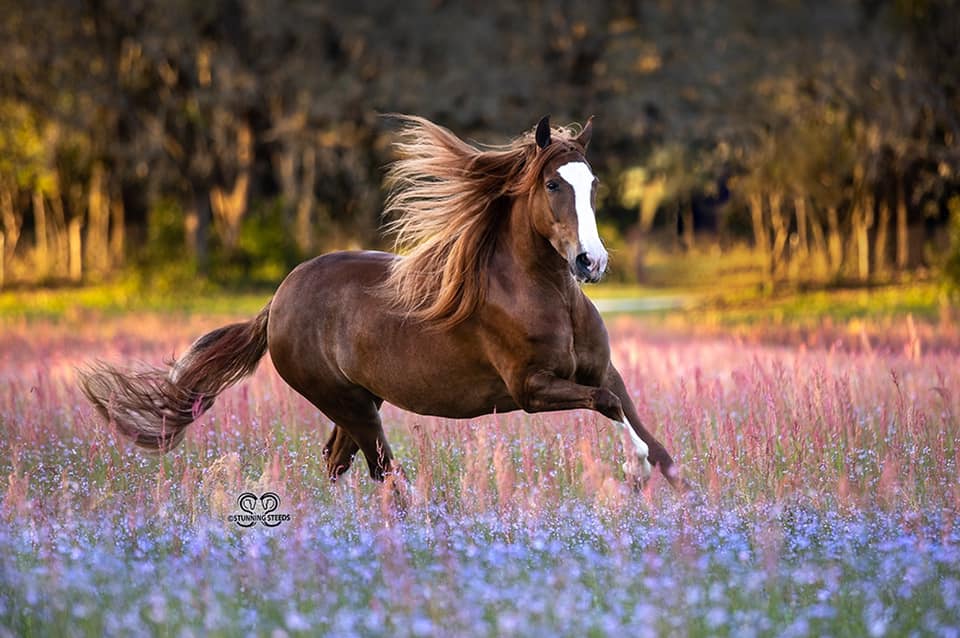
x=310, y=317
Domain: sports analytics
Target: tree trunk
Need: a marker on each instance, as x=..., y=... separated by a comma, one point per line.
x=228, y=209
x=288, y=131
x=863, y=220
x=40, y=230
x=285, y=162
x=780, y=231
x=197, y=225
x=117, y=229
x=98, y=221
x=306, y=204
x=903, y=230
x=882, y=239
x=800, y=210
x=12, y=223
x=654, y=191
x=761, y=237
x=819, y=250
x=60, y=241
x=229, y=206
x=834, y=241
x=686, y=218
x=76, y=248
x=198, y=167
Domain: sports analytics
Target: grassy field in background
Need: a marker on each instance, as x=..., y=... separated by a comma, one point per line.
x=721, y=295
x=75, y=304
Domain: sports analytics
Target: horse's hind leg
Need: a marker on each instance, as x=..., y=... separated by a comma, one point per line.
x=339, y=452
x=371, y=438
x=356, y=414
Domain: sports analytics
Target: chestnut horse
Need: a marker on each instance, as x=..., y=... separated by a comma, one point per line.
x=482, y=313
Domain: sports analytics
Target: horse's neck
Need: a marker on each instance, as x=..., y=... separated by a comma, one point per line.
x=530, y=253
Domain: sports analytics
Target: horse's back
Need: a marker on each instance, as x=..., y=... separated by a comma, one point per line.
x=319, y=288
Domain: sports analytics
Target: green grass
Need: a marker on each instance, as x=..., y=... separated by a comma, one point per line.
x=120, y=298
x=720, y=288
x=923, y=300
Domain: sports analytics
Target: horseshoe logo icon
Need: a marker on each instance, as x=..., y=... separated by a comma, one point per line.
x=247, y=502
x=270, y=503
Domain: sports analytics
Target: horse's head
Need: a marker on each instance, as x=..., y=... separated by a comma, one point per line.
x=563, y=210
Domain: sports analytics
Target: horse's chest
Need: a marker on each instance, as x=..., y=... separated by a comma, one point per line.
x=591, y=351
x=577, y=359
x=591, y=367
x=560, y=340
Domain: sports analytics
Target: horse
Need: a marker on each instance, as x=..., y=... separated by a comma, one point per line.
x=481, y=310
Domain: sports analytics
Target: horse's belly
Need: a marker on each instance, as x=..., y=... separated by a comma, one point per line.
x=441, y=390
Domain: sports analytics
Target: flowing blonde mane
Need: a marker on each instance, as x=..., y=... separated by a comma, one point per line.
x=443, y=196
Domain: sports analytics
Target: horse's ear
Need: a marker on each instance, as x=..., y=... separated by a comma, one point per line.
x=584, y=138
x=543, y=132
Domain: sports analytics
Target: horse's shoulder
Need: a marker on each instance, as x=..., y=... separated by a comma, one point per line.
x=590, y=332
x=585, y=314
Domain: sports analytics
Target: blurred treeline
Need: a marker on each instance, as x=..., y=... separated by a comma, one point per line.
x=232, y=138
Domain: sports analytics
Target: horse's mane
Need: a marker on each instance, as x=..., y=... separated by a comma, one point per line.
x=448, y=198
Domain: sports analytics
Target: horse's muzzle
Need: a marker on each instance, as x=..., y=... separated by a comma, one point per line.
x=587, y=269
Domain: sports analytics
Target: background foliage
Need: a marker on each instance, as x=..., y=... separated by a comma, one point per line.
x=229, y=139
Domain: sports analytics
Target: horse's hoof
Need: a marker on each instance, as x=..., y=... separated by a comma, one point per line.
x=638, y=473
x=399, y=493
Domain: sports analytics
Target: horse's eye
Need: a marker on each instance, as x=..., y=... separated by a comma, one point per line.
x=552, y=185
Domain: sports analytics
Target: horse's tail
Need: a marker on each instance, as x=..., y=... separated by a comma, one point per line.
x=153, y=407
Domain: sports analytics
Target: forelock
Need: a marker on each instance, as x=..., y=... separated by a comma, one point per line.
x=539, y=159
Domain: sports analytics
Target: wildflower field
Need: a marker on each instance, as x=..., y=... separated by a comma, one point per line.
x=825, y=462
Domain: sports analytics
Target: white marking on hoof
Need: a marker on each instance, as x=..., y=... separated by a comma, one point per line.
x=645, y=469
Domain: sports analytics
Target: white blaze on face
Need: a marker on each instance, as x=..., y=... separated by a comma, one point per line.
x=580, y=178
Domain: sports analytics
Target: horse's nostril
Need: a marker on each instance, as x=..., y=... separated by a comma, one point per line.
x=583, y=260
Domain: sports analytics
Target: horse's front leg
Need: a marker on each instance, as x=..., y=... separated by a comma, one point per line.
x=545, y=391
x=645, y=444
